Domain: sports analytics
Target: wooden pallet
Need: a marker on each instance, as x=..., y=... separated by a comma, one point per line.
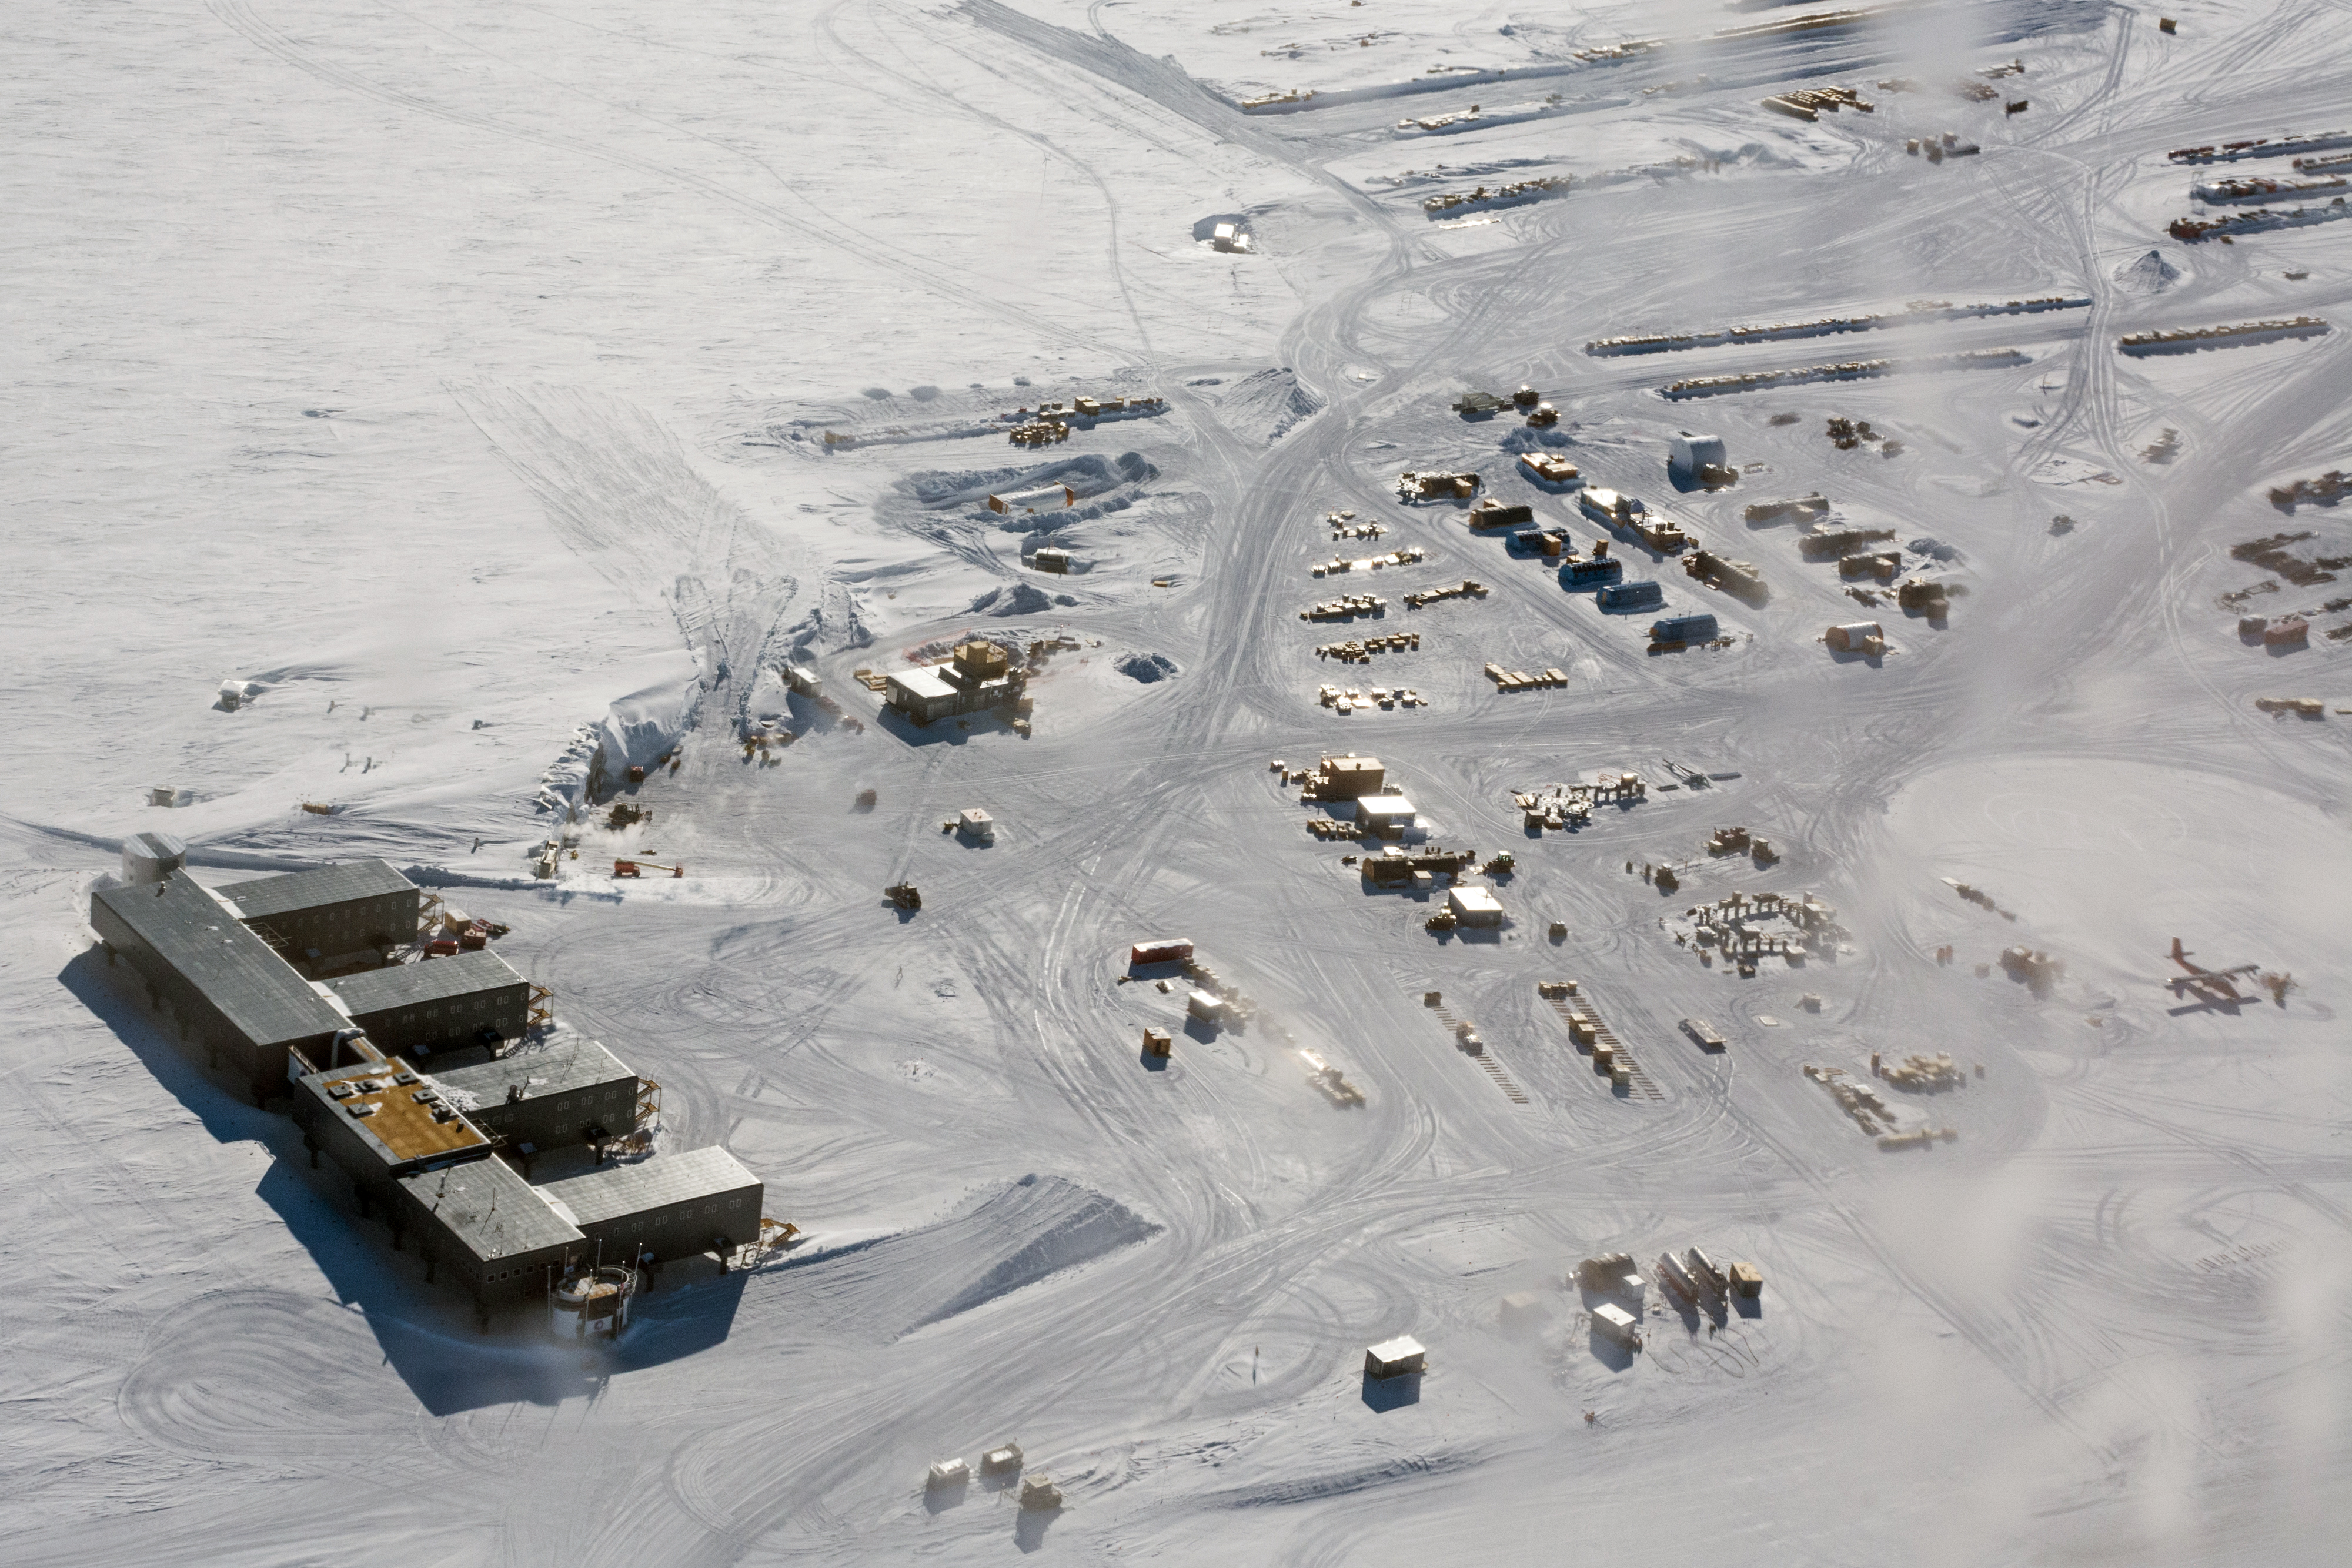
x=1640, y=1081
x=1485, y=1058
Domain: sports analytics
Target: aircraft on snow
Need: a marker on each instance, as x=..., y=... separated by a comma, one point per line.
x=2218, y=987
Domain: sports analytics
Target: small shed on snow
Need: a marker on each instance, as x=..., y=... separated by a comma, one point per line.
x=1044, y=498
x=1395, y=1357
x=1474, y=906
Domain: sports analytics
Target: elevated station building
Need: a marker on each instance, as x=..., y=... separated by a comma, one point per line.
x=431, y=1151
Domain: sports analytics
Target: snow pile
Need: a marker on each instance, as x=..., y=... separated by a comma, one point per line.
x=1145, y=667
x=647, y=723
x=1021, y=598
x=2151, y=274
x=890, y=1284
x=1263, y=407
x=1065, y=1225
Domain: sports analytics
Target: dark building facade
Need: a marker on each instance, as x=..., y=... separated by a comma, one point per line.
x=569, y=1091
x=332, y=911
x=474, y=999
x=234, y=1000
x=674, y=1206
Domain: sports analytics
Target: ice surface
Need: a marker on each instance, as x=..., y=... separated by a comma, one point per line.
x=453, y=382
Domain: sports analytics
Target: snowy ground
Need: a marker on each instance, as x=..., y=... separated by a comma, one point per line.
x=457, y=375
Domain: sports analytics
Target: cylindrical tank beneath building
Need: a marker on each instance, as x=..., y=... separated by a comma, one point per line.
x=152, y=857
x=592, y=1303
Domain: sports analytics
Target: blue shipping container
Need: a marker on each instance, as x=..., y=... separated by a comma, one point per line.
x=1631, y=595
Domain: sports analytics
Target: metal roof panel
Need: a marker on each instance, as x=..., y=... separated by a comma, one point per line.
x=439, y=980
x=489, y=1210
x=615, y=1192
x=269, y=896
x=566, y=1063
x=256, y=990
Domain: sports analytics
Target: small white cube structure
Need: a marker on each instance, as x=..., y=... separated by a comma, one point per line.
x=1522, y=1310
x=947, y=1473
x=1474, y=906
x=998, y=1461
x=1384, y=816
x=1206, y=1008
x=1399, y=1357
x=977, y=825
x=1618, y=1324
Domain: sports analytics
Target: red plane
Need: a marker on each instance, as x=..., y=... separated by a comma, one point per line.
x=2213, y=985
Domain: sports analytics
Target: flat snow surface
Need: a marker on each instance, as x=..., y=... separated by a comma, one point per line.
x=454, y=379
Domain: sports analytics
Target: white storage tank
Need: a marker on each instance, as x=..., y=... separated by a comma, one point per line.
x=1692, y=453
x=150, y=857
x=1856, y=637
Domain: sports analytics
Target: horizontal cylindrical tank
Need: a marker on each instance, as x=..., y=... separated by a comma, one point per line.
x=1855, y=636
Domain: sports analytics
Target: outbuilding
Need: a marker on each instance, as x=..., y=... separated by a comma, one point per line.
x=1473, y=907
x=1160, y=950
x=1857, y=637
x=978, y=678
x=1348, y=777
x=1606, y=506
x=1400, y=1357
x=1383, y=816
x=1690, y=452
x=1616, y=1324
x=1041, y=499
x=1637, y=595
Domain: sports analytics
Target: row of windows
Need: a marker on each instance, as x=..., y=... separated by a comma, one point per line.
x=346, y=914
x=685, y=1213
x=551, y=1105
x=480, y=1004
